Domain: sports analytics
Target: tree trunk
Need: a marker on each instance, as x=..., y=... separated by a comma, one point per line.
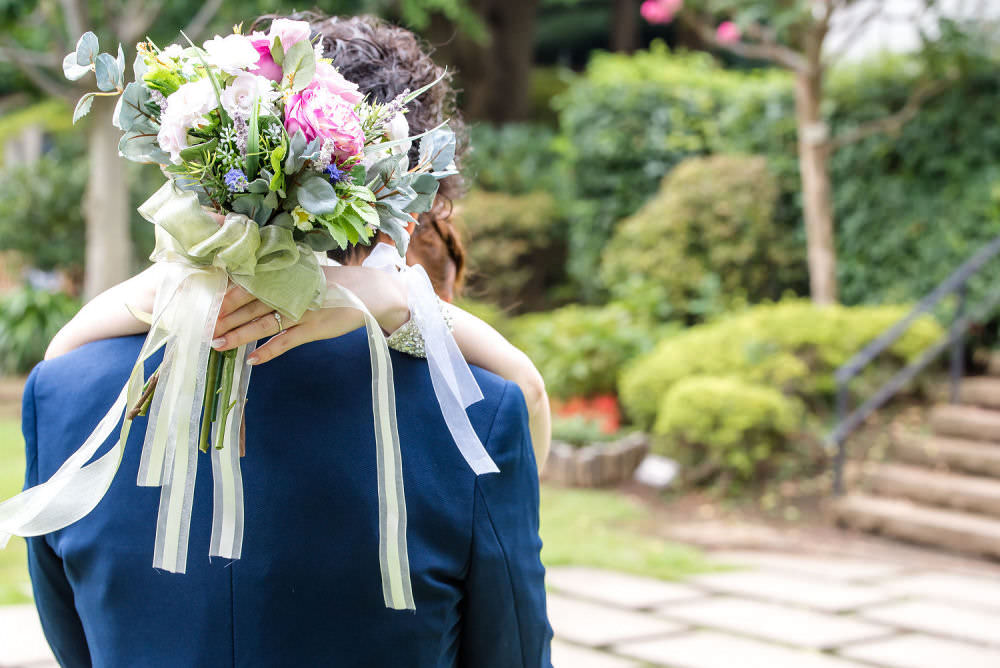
x=106, y=206
x=817, y=196
x=495, y=77
x=625, y=26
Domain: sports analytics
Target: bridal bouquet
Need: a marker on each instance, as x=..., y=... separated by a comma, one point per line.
x=263, y=130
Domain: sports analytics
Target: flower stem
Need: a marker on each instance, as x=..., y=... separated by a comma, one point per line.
x=209, y=407
x=226, y=389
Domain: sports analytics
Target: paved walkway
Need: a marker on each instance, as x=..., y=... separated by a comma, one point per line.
x=776, y=611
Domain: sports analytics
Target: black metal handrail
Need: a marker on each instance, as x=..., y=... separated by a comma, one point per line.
x=956, y=283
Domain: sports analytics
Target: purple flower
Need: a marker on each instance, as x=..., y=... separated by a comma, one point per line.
x=236, y=181
x=335, y=173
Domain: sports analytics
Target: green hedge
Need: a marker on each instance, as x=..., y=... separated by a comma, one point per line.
x=713, y=217
x=29, y=319
x=793, y=346
x=909, y=208
x=724, y=426
x=579, y=350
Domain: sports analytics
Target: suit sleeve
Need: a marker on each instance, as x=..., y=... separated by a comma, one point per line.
x=505, y=623
x=53, y=594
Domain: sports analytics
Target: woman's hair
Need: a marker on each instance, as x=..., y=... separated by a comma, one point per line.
x=437, y=246
x=386, y=60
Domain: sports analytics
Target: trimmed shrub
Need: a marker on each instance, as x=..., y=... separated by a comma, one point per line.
x=579, y=350
x=793, y=345
x=713, y=216
x=29, y=319
x=515, y=252
x=724, y=426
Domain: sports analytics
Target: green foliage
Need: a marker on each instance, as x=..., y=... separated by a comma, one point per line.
x=580, y=349
x=579, y=430
x=52, y=115
x=515, y=249
x=713, y=217
x=726, y=426
x=489, y=313
x=29, y=319
x=516, y=158
x=793, y=345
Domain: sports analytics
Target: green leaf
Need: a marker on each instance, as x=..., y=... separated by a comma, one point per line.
x=320, y=240
x=277, y=155
x=142, y=147
x=366, y=212
x=199, y=152
x=120, y=62
x=83, y=106
x=299, y=66
x=420, y=91
x=284, y=220
x=277, y=51
x=72, y=70
x=426, y=186
x=131, y=112
x=317, y=196
x=86, y=49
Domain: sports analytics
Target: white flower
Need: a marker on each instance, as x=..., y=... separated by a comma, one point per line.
x=238, y=97
x=172, y=51
x=186, y=109
x=232, y=53
x=398, y=128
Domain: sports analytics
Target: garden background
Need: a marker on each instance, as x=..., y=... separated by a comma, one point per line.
x=635, y=220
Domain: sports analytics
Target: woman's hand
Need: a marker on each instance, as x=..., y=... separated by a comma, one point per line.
x=243, y=318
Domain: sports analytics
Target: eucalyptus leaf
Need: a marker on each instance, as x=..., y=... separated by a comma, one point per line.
x=83, y=106
x=271, y=200
x=120, y=62
x=139, y=67
x=86, y=49
x=284, y=220
x=438, y=150
x=260, y=186
x=72, y=70
x=317, y=196
x=394, y=226
x=299, y=66
x=296, y=146
x=132, y=113
x=320, y=240
x=277, y=51
x=247, y=204
x=426, y=187
x=199, y=152
x=106, y=70
x=142, y=147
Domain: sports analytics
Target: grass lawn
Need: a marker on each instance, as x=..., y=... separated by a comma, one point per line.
x=581, y=527
x=14, y=585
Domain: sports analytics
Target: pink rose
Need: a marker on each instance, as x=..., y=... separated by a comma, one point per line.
x=317, y=112
x=660, y=11
x=728, y=33
x=289, y=31
x=333, y=81
x=266, y=67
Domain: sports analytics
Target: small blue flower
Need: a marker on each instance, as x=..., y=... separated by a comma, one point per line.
x=236, y=181
x=335, y=173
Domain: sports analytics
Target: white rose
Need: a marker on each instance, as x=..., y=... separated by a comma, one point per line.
x=172, y=51
x=232, y=53
x=186, y=109
x=172, y=138
x=238, y=97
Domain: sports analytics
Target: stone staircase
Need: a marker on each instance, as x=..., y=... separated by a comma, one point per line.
x=940, y=488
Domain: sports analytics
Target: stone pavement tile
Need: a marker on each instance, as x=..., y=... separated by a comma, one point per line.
x=819, y=566
x=977, y=590
x=595, y=625
x=810, y=592
x=942, y=619
x=767, y=621
x=21, y=638
x=708, y=649
x=917, y=651
x=565, y=655
x=626, y=591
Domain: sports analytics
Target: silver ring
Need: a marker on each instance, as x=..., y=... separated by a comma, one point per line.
x=281, y=328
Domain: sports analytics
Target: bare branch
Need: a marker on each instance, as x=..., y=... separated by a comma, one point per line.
x=769, y=51
x=136, y=18
x=202, y=19
x=847, y=37
x=44, y=82
x=11, y=54
x=894, y=122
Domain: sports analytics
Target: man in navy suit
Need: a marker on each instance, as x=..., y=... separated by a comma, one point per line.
x=307, y=591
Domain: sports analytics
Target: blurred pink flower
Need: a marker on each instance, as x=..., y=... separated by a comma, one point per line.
x=660, y=11
x=728, y=33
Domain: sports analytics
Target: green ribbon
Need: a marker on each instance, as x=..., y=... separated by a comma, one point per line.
x=265, y=261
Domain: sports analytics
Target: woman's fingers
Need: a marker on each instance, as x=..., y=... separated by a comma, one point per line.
x=293, y=337
x=236, y=297
x=240, y=317
x=266, y=325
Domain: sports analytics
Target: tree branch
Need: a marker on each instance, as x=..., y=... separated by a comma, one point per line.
x=769, y=51
x=202, y=19
x=13, y=54
x=894, y=122
x=853, y=31
x=24, y=61
x=74, y=15
x=137, y=16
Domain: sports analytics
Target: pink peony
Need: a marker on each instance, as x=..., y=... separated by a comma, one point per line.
x=660, y=11
x=266, y=67
x=333, y=81
x=289, y=31
x=318, y=112
x=728, y=33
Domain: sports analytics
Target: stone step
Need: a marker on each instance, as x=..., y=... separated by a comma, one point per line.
x=948, y=529
x=948, y=454
x=980, y=391
x=968, y=422
x=969, y=493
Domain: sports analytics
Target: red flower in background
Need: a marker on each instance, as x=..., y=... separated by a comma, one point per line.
x=602, y=409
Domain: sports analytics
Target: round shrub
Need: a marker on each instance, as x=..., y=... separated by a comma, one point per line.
x=713, y=216
x=515, y=251
x=793, y=345
x=725, y=426
x=580, y=349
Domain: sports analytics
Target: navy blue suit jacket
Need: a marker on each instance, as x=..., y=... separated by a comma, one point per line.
x=307, y=591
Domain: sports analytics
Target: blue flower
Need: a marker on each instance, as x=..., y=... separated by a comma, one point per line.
x=236, y=181
x=335, y=173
